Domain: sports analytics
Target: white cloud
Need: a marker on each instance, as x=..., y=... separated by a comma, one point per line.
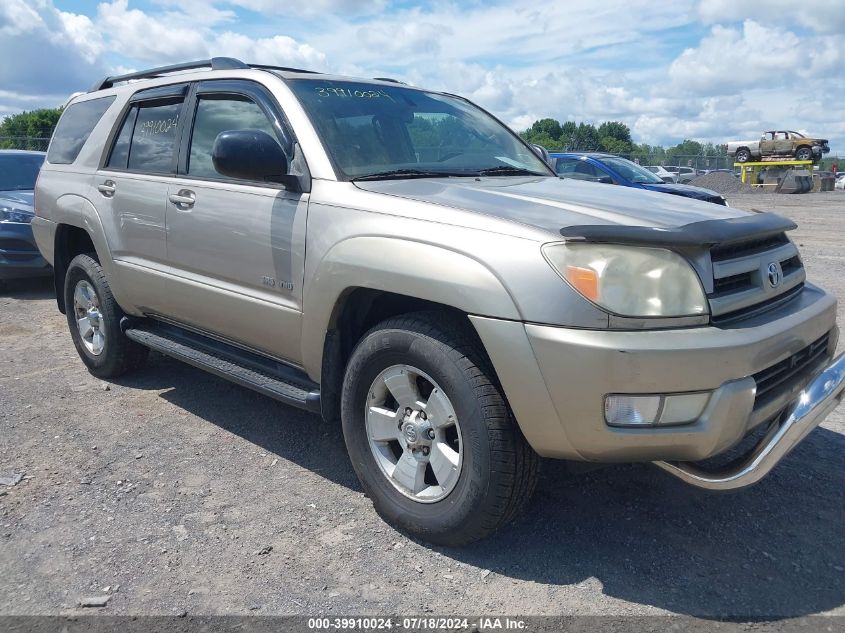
x=314, y=7
x=754, y=67
x=280, y=50
x=822, y=16
x=729, y=60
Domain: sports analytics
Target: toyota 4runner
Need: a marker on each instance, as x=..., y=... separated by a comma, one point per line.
x=399, y=259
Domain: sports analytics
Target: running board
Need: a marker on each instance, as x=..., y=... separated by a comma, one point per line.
x=266, y=376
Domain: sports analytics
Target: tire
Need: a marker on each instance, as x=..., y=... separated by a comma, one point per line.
x=88, y=296
x=495, y=471
x=804, y=153
x=742, y=155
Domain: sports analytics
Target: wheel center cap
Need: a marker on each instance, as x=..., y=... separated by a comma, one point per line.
x=411, y=433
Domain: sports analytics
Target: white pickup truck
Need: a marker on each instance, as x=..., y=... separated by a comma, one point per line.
x=778, y=143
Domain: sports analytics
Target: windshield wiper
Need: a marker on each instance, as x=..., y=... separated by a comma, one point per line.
x=506, y=170
x=406, y=173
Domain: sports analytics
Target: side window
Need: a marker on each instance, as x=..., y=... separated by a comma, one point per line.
x=565, y=165
x=216, y=114
x=588, y=170
x=154, y=137
x=74, y=128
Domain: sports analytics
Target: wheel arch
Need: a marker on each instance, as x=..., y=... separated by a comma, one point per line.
x=362, y=281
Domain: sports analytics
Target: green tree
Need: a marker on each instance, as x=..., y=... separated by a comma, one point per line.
x=28, y=130
x=615, y=137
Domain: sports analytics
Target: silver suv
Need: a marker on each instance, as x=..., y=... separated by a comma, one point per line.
x=400, y=260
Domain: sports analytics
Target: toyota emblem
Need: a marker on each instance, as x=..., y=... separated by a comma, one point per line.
x=775, y=274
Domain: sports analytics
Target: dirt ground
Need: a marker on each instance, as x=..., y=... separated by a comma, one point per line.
x=173, y=491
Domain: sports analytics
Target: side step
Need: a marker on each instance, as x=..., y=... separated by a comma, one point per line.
x=264, y=375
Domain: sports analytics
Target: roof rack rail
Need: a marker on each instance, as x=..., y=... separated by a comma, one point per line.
x=284, y=68
x=391, y=80
x=215, y=63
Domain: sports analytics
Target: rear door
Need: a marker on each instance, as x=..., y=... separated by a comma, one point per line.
x=130, y=189
x=767, y=143
x=236, y=248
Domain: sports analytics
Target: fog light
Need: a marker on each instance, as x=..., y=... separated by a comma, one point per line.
x=651, y=410
x=631, y=410
x=685, y=407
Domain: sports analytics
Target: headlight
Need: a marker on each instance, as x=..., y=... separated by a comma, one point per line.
x=11, y=214
x=630, y=281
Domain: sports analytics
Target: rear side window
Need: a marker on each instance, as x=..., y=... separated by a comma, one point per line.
x=74, y=128
x=147, y=138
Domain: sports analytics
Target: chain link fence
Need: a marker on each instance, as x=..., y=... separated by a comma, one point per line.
x=698, y=163
x=36, y=143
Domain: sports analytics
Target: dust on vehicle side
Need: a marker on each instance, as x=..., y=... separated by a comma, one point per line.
x=398, y=259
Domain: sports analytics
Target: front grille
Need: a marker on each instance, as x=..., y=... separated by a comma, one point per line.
x=752, y=247
x=741, y=280
x=771, y=380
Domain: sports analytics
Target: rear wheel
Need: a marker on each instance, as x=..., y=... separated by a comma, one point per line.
x=94, y=320
x=429, y=433
x=743, y=155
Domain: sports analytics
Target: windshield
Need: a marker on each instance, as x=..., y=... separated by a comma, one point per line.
x=631, y=171
x=376, y=131
x=19, y=171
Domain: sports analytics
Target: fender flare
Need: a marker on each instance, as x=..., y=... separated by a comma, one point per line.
x=401, y=266
x=77, y=211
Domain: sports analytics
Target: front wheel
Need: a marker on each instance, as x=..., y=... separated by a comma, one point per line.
x=428, y=431
x=93, y=317
x=804, y=153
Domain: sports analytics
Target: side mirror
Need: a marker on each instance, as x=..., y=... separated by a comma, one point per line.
x=606, y=180
x=250, y=155
x=543, y=153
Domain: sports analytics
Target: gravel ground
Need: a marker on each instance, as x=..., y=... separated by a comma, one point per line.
x=721, y=182
x=172, y=491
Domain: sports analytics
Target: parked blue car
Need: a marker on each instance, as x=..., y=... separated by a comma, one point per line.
x=614, y=170
x=19, y=256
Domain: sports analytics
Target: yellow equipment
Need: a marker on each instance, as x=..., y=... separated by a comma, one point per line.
x=751, y=170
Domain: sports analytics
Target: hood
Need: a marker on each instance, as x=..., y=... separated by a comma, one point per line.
x=18, y=199
x=551, y=204
x=688, y=191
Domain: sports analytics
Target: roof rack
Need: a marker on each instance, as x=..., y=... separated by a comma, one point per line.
x=284, y=68
x=391, y=80
x=215, y=63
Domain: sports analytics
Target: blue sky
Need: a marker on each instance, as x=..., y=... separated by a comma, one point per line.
x=710, y=70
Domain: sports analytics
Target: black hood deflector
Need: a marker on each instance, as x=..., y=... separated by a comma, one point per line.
x=707, y=233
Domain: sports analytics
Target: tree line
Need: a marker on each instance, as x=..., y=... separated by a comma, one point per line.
x=613, y=137
x=23, y=130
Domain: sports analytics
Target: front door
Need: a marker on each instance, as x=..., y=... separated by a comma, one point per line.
x=236, y=248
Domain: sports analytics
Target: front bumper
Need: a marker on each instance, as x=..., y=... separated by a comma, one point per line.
x=818, y=399
x=556, y=379
x=19, y=255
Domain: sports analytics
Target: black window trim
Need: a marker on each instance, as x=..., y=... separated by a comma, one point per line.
x=150, y=96
x=243, y=88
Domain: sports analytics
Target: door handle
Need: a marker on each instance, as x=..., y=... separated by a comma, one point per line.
x=107, y=188
x=183, y=199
